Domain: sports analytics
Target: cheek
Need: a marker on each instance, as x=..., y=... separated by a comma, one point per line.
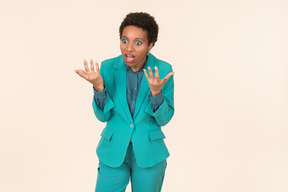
x=122, y=48
x=143, y=51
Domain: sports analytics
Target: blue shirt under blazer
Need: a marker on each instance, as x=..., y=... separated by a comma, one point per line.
x=144, y=127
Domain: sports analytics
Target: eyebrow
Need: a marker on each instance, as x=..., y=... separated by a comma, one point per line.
x=135, y=38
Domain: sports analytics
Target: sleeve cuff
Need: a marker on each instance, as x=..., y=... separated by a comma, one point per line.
x=99, y=94
x=156, y=101
x=100, y=98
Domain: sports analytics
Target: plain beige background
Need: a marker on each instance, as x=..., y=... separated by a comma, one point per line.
x=230, y=129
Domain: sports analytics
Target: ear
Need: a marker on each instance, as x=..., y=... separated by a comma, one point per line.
x=150, y=47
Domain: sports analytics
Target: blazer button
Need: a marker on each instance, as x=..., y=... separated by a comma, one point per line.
x=132, y=126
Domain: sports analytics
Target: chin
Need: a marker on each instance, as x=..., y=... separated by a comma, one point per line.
x=130, y=64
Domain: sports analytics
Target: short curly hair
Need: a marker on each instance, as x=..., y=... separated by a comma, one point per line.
x=144, y=21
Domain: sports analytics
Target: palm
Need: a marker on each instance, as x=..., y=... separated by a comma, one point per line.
x=92, y=76
x=155, y=83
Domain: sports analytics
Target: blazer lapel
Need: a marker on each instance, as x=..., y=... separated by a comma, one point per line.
x=121, y=85
x=144, y=87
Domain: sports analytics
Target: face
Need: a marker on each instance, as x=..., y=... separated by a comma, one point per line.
x=134, y=47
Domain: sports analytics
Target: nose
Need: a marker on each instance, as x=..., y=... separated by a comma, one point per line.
x=129, y=47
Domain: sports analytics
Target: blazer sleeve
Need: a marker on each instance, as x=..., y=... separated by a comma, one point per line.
x=166, y=110
x=105, y=114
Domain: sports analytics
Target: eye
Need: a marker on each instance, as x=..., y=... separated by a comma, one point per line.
x=138, y=43
x=124, y=41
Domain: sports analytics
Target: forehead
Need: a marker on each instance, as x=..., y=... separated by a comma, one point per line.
x=134, y=32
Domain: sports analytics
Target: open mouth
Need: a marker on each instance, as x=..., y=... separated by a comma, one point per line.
x=129, y=58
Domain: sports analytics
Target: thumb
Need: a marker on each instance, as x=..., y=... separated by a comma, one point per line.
x=81, y=73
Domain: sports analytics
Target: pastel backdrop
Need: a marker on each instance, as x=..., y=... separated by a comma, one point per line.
x=230, y=129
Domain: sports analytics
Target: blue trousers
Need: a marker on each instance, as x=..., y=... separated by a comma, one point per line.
x=149, y=179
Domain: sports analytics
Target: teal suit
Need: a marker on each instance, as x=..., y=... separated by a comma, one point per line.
x=144, y=127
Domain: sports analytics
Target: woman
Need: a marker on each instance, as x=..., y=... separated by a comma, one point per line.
x=134, y=107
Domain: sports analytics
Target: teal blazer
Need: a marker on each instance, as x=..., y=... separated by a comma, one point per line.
x=144, y=127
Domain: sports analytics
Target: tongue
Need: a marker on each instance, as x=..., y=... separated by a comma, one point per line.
x=130, y=59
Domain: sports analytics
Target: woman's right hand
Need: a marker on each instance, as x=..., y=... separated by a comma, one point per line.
x=91, y=75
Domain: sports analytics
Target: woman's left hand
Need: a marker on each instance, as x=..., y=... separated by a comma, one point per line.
x=155, y=83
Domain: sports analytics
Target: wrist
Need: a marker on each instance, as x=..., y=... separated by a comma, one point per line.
x=155, y=93
x=99, y=88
